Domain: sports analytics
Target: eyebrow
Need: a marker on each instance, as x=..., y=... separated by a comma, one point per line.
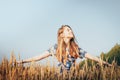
x=68, y=29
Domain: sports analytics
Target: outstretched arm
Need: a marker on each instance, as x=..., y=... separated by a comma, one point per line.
x=47, y=53
x=87, y=55
x=36, y=58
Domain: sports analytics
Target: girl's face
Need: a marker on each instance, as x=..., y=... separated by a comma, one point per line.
x=67, y=33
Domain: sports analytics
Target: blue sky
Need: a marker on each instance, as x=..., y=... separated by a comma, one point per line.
x=29, y=27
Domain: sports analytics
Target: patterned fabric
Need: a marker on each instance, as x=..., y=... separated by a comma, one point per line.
x=70, y=61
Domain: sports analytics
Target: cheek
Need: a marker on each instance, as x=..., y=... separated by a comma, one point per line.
x=66, y=33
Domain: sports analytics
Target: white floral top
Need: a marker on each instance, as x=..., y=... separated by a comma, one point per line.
x=70, y=60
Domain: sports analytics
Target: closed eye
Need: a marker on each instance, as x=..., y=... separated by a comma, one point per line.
x=68, y=29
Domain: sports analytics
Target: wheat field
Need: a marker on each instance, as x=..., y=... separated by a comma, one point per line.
x=10, y=70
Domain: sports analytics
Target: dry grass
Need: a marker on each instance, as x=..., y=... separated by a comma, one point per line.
x=10, y=71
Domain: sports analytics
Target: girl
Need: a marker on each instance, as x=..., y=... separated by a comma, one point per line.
x=66, y=50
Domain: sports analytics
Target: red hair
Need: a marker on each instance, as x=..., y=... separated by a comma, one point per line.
x=61, y=48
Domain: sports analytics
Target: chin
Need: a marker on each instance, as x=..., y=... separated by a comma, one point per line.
x=71, y=37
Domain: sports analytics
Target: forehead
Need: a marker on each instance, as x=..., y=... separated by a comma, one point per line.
x=66, y=28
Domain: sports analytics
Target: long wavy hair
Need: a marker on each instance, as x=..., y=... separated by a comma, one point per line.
x=61, y=48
